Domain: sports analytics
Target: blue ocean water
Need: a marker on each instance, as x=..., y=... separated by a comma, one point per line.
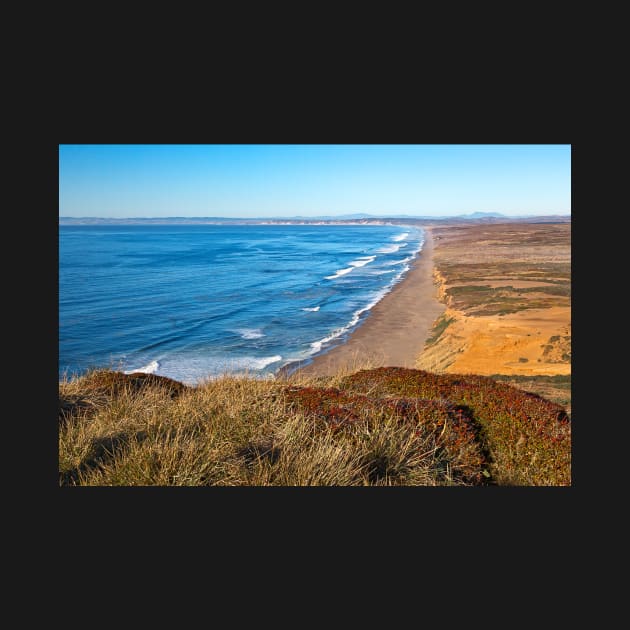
x=195, y=301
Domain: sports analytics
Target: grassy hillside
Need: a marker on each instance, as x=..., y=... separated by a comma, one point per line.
x=385, y=426
x=555, y=388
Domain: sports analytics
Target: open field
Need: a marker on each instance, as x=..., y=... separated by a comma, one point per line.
x=507, y=291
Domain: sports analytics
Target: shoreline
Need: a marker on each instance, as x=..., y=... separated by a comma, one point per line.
x=395, y=330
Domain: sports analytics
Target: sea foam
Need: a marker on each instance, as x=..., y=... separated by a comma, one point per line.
x=150, y=368
x=388, y=249
x=400, y=237
x=316, y=346
x=250, y=333
x=399, y=262
x=259, y=364
x=361, y=262
x=339, y=273
x=191, y=370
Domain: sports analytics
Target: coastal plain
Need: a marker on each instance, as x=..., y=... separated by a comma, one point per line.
x=490, y=299
x=507, y=292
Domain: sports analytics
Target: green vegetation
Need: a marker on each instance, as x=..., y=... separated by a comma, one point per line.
x=471, y=288
x=505, y=258
x=559, y=380
x=499, y=270
x=386, y=426
x=557, y=349
x=556, y=388
x=439, y=327
x=527, y=438
x=486, y=300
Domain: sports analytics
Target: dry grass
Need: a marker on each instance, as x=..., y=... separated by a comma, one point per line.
x=230, y=431
x=131, y=430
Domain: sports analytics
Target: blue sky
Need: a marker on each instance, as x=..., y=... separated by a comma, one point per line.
x=310, y=180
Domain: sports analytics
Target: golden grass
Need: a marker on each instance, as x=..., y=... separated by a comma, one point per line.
x=131, y=430
x=228, y=431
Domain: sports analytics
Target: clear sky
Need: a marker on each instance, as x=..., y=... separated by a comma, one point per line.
x=309, y=180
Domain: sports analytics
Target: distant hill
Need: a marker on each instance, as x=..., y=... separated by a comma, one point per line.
x=481, y=215
x=493, y=217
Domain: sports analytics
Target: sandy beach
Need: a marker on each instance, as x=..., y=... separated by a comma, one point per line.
x=395, y=330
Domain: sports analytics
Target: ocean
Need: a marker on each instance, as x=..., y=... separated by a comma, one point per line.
x=195, y=301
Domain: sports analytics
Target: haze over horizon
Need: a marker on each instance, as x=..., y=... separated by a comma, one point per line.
x=285, y=181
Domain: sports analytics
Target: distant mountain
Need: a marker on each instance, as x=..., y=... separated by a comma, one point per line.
x=480, y=215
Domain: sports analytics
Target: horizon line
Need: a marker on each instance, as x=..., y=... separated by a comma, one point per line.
x=297, y=216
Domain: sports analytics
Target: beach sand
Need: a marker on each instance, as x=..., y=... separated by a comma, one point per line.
x=395, y=330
